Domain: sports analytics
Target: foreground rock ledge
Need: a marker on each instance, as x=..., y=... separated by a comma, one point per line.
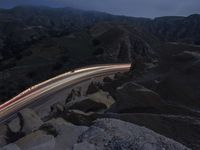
x=112, y=134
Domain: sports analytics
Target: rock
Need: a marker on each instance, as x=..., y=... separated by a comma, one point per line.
x=76, y=92
x=102, y=97
x=3, y=135
x=112, y=134
x=10, y=147
x=87, y=105
x=67, y=133
x=93, y=88
x=30, y=120
x=58, y=107
x=85, y=146
x=132, y=97
x=118, y=75
x=171, y=126
x=37, y=141
x=107, y=79
x=15, y=125
x=78, y=117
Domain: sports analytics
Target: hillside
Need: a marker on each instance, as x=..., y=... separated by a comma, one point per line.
x=55, y=41
x=58, y=39
x=154, y=106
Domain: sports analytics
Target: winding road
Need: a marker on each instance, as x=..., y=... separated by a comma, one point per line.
x=55, y=84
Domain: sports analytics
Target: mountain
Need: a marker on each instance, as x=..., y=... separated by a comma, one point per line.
x=59, y=39
x=177, y=29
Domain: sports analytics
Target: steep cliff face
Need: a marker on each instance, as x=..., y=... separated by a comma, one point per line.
x=122, y=42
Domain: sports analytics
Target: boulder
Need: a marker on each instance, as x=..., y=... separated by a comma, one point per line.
x=38, y=140
x=3, y=135
x=30, y=120
x=85, y=146
x=102, y=97
x=57, y=107
x=75, y=93
x=112, y=134
x=78, y=117
x=107, y=79
x=132, y=97
x=11, y=146
x=93, y=88
x=87, y=105
x=67, y=133
x=15, y=125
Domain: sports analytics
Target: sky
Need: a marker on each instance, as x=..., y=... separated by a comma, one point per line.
x=137, y=8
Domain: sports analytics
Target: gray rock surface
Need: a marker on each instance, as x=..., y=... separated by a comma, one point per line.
x=102, y=97
x=171, y=126
x=85, y=146
x=67, y=133
x=95, y=102
x=31, y=121
x=112, y=134
x=87, y=106
x=11, y=146
x=14, y=125
x=132, y=97
x=3, y=132
x=38, y=140
x=76, y=92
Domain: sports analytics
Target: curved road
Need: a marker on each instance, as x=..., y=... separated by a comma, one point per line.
x=55, y=84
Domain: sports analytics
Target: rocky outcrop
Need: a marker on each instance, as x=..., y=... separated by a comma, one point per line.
x=97, y=102
x=30, y=120
x=67, y=133
x=38, y=140
x=115, y=134
x=57, y=107
x=93, y=88
x=171, y=126
x=87, y=105
x=132, y=97
x=10, y=147
x=75, y=93
x=85, y=146
x=15, y=125
x=120, y=42
x=102, y=97
x=3, y=135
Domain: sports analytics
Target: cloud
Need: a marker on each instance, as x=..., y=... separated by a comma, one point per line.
x=144, y=8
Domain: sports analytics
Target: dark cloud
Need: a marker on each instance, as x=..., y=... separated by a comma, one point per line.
x=145, y=8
